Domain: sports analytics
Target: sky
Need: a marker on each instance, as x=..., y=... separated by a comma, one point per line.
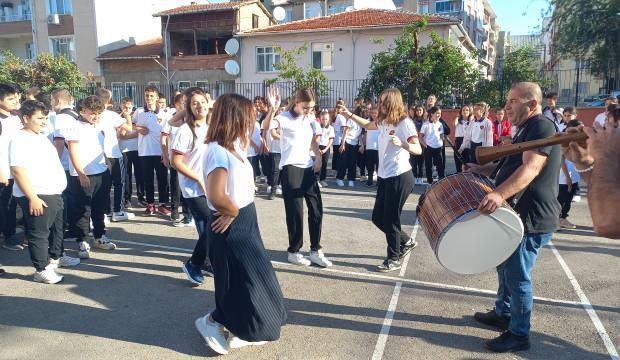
x=520, y=17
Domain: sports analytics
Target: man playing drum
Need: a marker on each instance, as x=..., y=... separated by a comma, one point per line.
x=529, y=182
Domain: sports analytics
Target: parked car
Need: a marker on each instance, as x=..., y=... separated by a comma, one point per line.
x=596, y=103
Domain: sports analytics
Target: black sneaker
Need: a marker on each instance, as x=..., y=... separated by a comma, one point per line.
x=272, y=195
x=207, y=270
x=508, y=342
x=491, y=318
x=143, y=203
x=407, y=247
x=389, y=265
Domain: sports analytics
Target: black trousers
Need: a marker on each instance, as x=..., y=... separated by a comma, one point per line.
x=432, y=156
x=392, y=193
x=565, y=198
x=273, y=175
x=45, y=232
x=347, y=163
x=336, y=156
x=325, y=159
x=263, y=160
x=176, y=199
x=200, y=211
x=150, y=165
x=133, y=166
x=457, y=161
x=299, y=184
x=117, y=182
x=372, y=163
x=88, y=203
x=8, y=212
x=255, y=165
x=361, y=163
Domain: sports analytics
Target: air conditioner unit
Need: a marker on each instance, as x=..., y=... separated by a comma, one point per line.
x=53, y=19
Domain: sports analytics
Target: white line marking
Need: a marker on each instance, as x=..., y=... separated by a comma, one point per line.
x=585, y=303
x=368, y=275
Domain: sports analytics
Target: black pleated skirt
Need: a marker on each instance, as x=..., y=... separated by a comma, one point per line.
x=248, y=298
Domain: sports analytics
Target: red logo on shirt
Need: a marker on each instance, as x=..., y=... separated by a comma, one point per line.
x=481, y=127
x=392, y=132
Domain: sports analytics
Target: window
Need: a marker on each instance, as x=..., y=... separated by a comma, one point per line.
x=288, y=17
x=254, y=21
x=30, y=53
x=62, y=7
x=423, y=6
x=313, y=9
x=157, y=84
x=63, y=46
x=322, y=56
x=183, y=85
x=130, y=90
x=117, y=91
x=204, y=85
x=266, y=58
x=444, y=6
x=338, y=7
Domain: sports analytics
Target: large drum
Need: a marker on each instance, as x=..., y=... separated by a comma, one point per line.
x=464, y=240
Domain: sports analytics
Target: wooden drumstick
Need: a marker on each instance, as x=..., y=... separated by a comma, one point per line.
x=486, y=154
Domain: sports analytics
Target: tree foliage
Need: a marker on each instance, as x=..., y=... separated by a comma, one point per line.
x=588, y=29
x=302, y=77
x=47, y=72
x=439, y=68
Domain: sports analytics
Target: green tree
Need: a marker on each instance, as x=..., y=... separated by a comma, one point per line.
x=521, y=65
x=302, y=77
x=589, y=30
x=47, y=72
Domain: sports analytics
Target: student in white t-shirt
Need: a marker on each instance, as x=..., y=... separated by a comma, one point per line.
x=602, y=117
x=188, y=151
x=325, y=144
x=371, y=148
x=339, y=123
x=90, y=177
x=431, y=138
x=479, y=132
x=297, y=174
x=9, y=125
x=271, y=133
x=569, y=182
x=349, y=148
x=149, y=125
x=113, y=125
x=133, y=167
x=397, y=140
x=248, y=298
x=254, y=151
x=39, y=183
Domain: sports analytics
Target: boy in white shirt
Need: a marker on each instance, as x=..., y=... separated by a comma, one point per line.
x=9, y=125
x=129, y=147
x=39, y=183
x=90, y=177
x=431, y=139
x=602, y=117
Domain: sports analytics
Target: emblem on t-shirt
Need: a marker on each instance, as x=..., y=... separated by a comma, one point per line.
x=481, y=127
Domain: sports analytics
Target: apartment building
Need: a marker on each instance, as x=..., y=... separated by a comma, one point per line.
x=78, y=29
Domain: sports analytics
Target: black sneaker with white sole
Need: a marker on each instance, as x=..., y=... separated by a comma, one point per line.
x=407, y=247
x=389, y=265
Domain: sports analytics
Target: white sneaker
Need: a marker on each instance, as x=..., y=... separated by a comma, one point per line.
x=351, y=183
x=324, y=183
x=298, y=259
x=268, y=191
x=318, y=258
x=339, y=182
x=64, y=261
x=319, y=184
x=84, y=252
x=47, y=276
x=577, y=198
x=122, y=216
x=279, y=190
x=236, y=343
x=213, y=333
x=104, y=244
x=106, y=219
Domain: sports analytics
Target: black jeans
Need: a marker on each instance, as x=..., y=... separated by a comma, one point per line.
x=133, y=166
x=432, y=156
x=255, y=165
x=8, y=213
x=200, y=211
x=263, y=160
x=361, y=162
x=347, y=163
x=565, y=198
x=273, y=176
x=116, y=181
x=336, y=156
x=457, y=161
x=325, y=159
x=88, y=203
x=152, y=164
x=45, y=232
x=392, y=193
x=372, y=163
x=299, y=184
x=176, y=198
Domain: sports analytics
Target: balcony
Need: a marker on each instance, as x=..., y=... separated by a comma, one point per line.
x=13, y=18
x=199, y=62
x=14, y=11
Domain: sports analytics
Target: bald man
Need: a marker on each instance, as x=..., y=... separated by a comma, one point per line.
x=529, y=182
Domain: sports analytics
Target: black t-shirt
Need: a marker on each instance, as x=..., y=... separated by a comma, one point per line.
x=538, y=206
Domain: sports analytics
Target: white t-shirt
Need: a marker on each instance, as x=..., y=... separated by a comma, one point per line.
x=90, y=142
x=482, y=132
x=149, y=144
x=372, y=139
x=255, y=138
x=129, y=144
x=461, y=128
x=171, y=132
x=394, y=160
x=296, y=136
x=328, y=133
x=39, y=158
x=600, y=119
x=273, y=144
x=240, y=178
x=63, y=122
x=10, y=126
x=572, y=172
x=431, y=132
x=193, y=152
x=108, y=123
x=353, y=135
x=339, y=123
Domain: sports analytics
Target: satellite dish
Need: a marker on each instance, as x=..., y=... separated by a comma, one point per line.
x=232, y=47
x=279, y=13
x=349, y=8
x=232, y=67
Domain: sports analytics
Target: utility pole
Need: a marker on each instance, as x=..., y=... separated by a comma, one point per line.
x=578, y=66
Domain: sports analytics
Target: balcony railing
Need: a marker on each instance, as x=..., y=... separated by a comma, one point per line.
x=12, y=18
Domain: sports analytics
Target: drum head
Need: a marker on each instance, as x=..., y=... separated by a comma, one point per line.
x=476, y=243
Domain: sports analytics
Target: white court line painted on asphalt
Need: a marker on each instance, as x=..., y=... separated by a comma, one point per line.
x=585, y=303
x=369, y=275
